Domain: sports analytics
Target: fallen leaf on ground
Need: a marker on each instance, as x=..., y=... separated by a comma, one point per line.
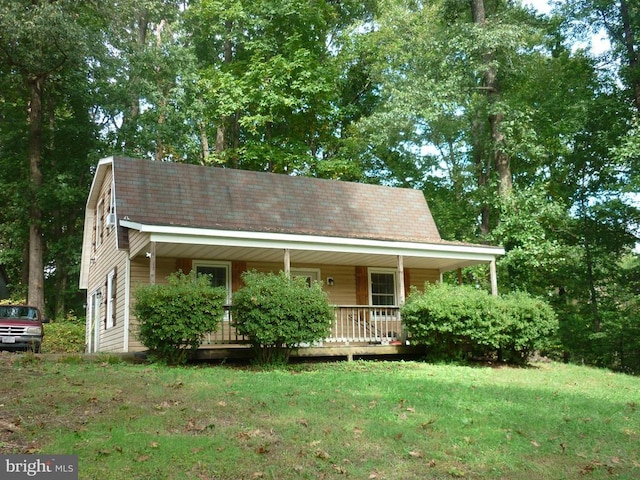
x=322, y=454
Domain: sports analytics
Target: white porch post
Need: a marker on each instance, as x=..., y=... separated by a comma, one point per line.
x=403, y=335
x=494, y=277
x=287, y=261
x=152, y=264
x=400, y=280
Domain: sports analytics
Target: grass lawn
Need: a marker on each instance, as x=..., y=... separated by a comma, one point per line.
x=358, y=420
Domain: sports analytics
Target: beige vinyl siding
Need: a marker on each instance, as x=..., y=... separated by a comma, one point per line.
x=418, y=277
x=140, y=276
x=111, y=339
x=343, y=291
x=137, y=242
x=139, y=273
x=105, y=258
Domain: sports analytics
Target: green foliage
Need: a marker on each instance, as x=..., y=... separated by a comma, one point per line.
x=615, y=343
x=174, y=317
x=277, y=313
x=529, y=323
x=530, y=229
x=456, y=322
x=66, y=336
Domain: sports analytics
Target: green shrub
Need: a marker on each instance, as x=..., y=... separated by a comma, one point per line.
x=174, y=317
x=529, y=324
x=277, y=313
x=456, y=322
x=64, y=336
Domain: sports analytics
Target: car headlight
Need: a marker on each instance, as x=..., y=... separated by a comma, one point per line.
x=34, y=330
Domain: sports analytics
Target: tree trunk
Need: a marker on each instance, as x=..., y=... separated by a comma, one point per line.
x=501, y=159
x=204, y=141
x=492, y=87
x=483, y=169
x=593, y=293
x=162, y=101
x=141, y=26
x=35, y=295
x=224, y=129
x=632, y=54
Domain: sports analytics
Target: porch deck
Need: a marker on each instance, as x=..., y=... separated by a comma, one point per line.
x=349, y=352
x=355, y=326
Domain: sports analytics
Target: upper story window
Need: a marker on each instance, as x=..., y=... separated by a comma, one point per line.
x=99, y=222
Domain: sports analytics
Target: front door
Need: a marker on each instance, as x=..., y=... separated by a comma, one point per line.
x=384, y=322
x=94, y=322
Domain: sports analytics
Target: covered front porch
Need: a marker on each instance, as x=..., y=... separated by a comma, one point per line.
x=353, y=325
x=366, y=280
x=357, y=331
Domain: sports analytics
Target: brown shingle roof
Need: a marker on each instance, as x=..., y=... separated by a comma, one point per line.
x=162, y=193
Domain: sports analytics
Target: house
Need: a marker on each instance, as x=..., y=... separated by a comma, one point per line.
x=368, y=244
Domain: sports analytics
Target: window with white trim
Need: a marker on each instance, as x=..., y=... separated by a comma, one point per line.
x=111, y=299
x=383, y=287
x=219, y=274
x=99, y=222
x=309, y=274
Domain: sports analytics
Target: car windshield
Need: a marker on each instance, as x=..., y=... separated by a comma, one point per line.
x=23, y=313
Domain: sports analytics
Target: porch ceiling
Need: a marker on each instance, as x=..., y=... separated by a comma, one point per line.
x=303, y=257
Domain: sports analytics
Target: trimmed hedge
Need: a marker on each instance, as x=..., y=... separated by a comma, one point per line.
x=278, y=313
x=458, y=322
x=63, y=336
x=174, y=317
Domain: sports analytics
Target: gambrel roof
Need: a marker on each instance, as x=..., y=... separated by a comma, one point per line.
x=191, y=211
x=175, y=194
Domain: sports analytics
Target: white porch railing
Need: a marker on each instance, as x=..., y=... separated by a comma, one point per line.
x=371, y=324
x=352, y=324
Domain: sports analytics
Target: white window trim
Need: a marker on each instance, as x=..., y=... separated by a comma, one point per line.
x=110, y=299
x=100, y=218
x=209, y=263
x=313, y=273
x=392, y=271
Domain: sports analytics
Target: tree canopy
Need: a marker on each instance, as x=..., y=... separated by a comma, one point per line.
x=516, y=132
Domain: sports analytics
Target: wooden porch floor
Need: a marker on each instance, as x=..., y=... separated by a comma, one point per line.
x=348, y=352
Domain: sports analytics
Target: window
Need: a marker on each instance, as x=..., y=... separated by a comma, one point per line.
x=383, y=287
x=309, y=274
x=218, y=273
x=99, y=222
x=112, y=203
x=111, y=300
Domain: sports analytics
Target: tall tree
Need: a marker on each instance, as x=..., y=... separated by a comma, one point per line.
x=39, y=41
x=271, y=78
x=620, y=19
